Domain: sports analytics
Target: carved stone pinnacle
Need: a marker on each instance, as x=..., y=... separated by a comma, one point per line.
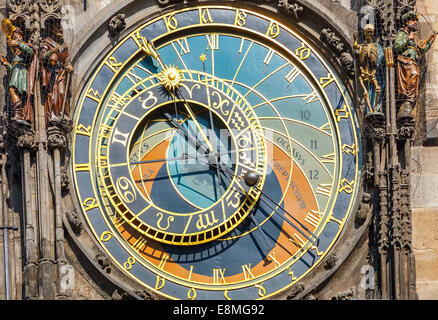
x=56, y=138
x=26, y=139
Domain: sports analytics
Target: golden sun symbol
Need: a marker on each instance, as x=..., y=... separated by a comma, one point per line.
x=170, y=78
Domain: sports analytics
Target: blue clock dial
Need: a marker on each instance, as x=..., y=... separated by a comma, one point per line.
x=217, y=158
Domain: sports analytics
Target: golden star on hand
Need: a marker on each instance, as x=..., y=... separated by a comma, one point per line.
x=203, y=57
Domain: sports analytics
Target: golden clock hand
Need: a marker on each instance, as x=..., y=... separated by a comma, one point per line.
x=184, y=157
x=195, y=143
x=263, y=233
x=288, y=221
x=215, y=155
x=154, y=53
x=226, y=172
x=198, y=126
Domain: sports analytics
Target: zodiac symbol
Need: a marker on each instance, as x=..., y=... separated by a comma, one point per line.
x=169, y=220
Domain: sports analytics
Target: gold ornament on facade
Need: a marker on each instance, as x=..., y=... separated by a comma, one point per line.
x=7, y=28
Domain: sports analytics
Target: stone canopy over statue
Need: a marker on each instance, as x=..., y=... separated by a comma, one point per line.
x=372, y=72
x=56, y=69
x=410, y=51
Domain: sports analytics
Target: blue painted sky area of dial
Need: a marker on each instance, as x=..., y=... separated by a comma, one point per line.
x=240, y=251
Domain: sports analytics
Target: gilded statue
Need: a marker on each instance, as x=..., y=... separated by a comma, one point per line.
x=410, y=51
x=21, y=71
x=371, y=58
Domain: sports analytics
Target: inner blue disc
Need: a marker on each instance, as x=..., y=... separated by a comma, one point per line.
x=198, y=182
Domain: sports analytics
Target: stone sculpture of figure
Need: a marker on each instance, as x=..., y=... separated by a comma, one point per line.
x=410, y=51
x=371, y=59
x=21, y=79
x=56, y=68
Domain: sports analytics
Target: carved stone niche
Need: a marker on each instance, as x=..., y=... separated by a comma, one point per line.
x=406, y=128
x=117, y=24
x=293, y=9
x=374, y=124
x=364, y=210
x=331, y=261
x=25, y=138
x=145, y=295
x=345, y=295
x=56, y=138
x=164, y=3
x=335, y=44
x=75, y=222
x=295, y=291
x=103, y=261
x=119, y=296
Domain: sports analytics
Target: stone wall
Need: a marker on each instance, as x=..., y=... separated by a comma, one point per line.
x=424, y=177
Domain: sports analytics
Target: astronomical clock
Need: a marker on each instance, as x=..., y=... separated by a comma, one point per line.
x=209, y=150
x=216, y=154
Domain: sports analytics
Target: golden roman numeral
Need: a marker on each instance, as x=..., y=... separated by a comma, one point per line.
x=139, y=244
x=82, y=167
x=241, y=45
x=326, y=128
x=272, y=257
x=269, y=56
x=105, y=131
x=163, y=261
x=218, y=276
x=297, y=241
x=311, y=97
x=116, y=99
x=313, y=217
x=246, y=269
x=190, y=273
x=118, y=222
x=324, y=189
x=183, y=45
x=133, y=77
x=292, y=75
x=213, y=41
x=328, y=158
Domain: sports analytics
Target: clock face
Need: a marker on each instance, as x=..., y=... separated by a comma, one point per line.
x=215, y=155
